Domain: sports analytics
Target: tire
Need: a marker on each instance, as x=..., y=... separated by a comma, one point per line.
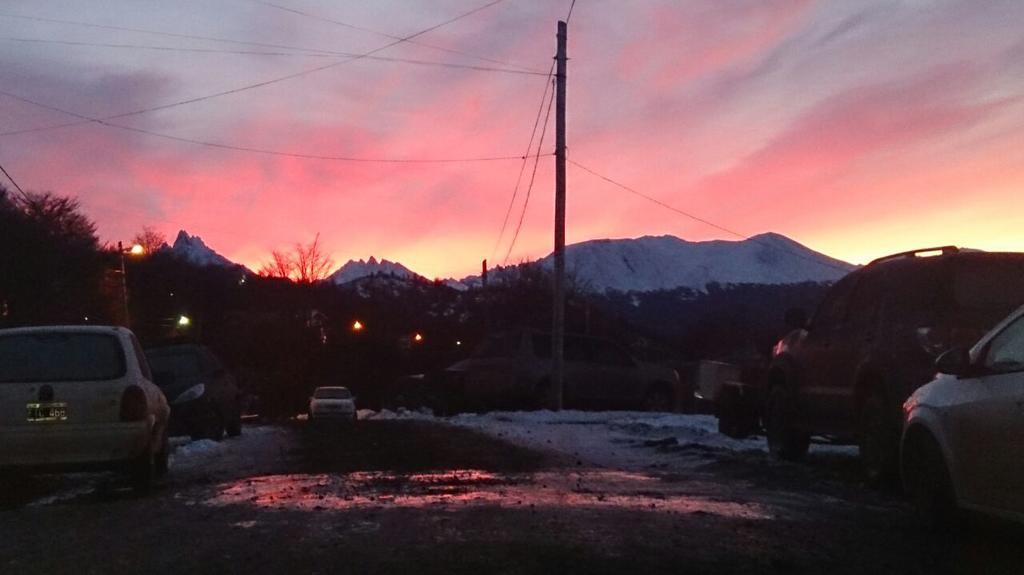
x=879, y=442
x=658, y=399
x=784, y=441
x=927, y=482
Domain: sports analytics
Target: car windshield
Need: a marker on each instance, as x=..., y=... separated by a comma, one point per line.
x=51, y=357
x=179, y=364
x=332, y=393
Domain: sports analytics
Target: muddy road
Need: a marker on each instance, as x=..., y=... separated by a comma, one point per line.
x=424, y=497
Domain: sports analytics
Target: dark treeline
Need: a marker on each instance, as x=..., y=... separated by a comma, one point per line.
x=282, y=338
x=738, y=322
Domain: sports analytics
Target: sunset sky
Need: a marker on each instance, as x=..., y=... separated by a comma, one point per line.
x=858, y=128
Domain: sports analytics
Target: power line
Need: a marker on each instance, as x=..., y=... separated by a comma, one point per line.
x=162, y=33
x=569, y=16
x=533, y=176
x=700, y=219
x=385, y=34
x=289, y=54
x=250, y=149
x=288, y=76
x=522, y=166
x=16, y=186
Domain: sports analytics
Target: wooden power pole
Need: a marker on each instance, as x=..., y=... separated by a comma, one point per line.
x=558, y=320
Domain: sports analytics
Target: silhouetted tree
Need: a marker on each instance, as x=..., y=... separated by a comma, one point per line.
x=280, y=266
x=51, y=266
x=311, y=264
x=150, y=239
x=308, y=264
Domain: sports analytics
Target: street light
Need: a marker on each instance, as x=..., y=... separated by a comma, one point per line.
x=357, y=326
x=135, y=250
x=417, y=338
x=184, y=321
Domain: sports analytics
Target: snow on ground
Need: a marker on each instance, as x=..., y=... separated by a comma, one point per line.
x=260, y=449
x=257, y=447
x=620, y=439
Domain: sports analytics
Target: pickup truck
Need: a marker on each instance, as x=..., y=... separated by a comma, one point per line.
x=80, y=397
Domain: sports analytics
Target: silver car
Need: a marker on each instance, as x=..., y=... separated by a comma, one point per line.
x=964, y=431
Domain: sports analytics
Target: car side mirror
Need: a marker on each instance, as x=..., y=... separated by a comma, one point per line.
x=956, y=361
x=796, y=318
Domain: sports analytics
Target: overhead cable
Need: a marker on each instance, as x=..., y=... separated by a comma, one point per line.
x=533, y=176
x=700, y=219
x=279, y=79
x=522, y=166
x=255, y=150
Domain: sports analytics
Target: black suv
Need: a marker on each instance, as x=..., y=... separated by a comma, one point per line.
x=874, y=340
x=205, y=401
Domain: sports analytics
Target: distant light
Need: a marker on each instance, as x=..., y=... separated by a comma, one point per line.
x=241, y=281
x=357, y=325
x=137, y=250
x=458, y=342
x=86, y=318
x=417, y=338
x=184, y=321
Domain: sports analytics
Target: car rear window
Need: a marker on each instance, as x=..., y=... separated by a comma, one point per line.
x=332, y=393
x=50, y=357
x=989, y=283
x=180, y=364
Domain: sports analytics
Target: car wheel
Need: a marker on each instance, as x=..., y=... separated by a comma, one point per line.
x=927, y=482
x=879, y=442
x=658, y=399
x=784, y=442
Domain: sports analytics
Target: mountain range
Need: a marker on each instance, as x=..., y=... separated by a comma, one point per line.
x=643, y=264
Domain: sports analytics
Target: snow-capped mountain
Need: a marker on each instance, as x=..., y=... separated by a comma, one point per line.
x=356, y=269
x=652, y=263
x=193, y=250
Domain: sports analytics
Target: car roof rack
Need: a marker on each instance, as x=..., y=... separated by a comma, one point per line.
x=916, y=253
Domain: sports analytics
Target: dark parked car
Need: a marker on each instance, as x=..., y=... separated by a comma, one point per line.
x=205, y=401
x=874, y=340
x=511, y=370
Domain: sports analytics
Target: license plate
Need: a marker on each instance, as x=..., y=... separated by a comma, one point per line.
x=47, y=411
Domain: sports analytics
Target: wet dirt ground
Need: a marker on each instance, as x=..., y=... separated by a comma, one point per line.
x=422, y=497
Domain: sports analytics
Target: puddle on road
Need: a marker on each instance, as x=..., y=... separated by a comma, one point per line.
x=471, y=487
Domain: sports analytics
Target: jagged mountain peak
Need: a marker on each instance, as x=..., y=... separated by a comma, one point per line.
x=357, y=269
x=193, y=250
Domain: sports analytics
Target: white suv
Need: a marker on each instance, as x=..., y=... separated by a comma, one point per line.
x=964, y=431
x=74, y=397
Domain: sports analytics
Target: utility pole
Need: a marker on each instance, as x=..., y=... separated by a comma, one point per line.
x=558, y=321
x=124, y=286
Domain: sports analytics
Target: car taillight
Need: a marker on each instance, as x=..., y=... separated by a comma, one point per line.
x=133, y=404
